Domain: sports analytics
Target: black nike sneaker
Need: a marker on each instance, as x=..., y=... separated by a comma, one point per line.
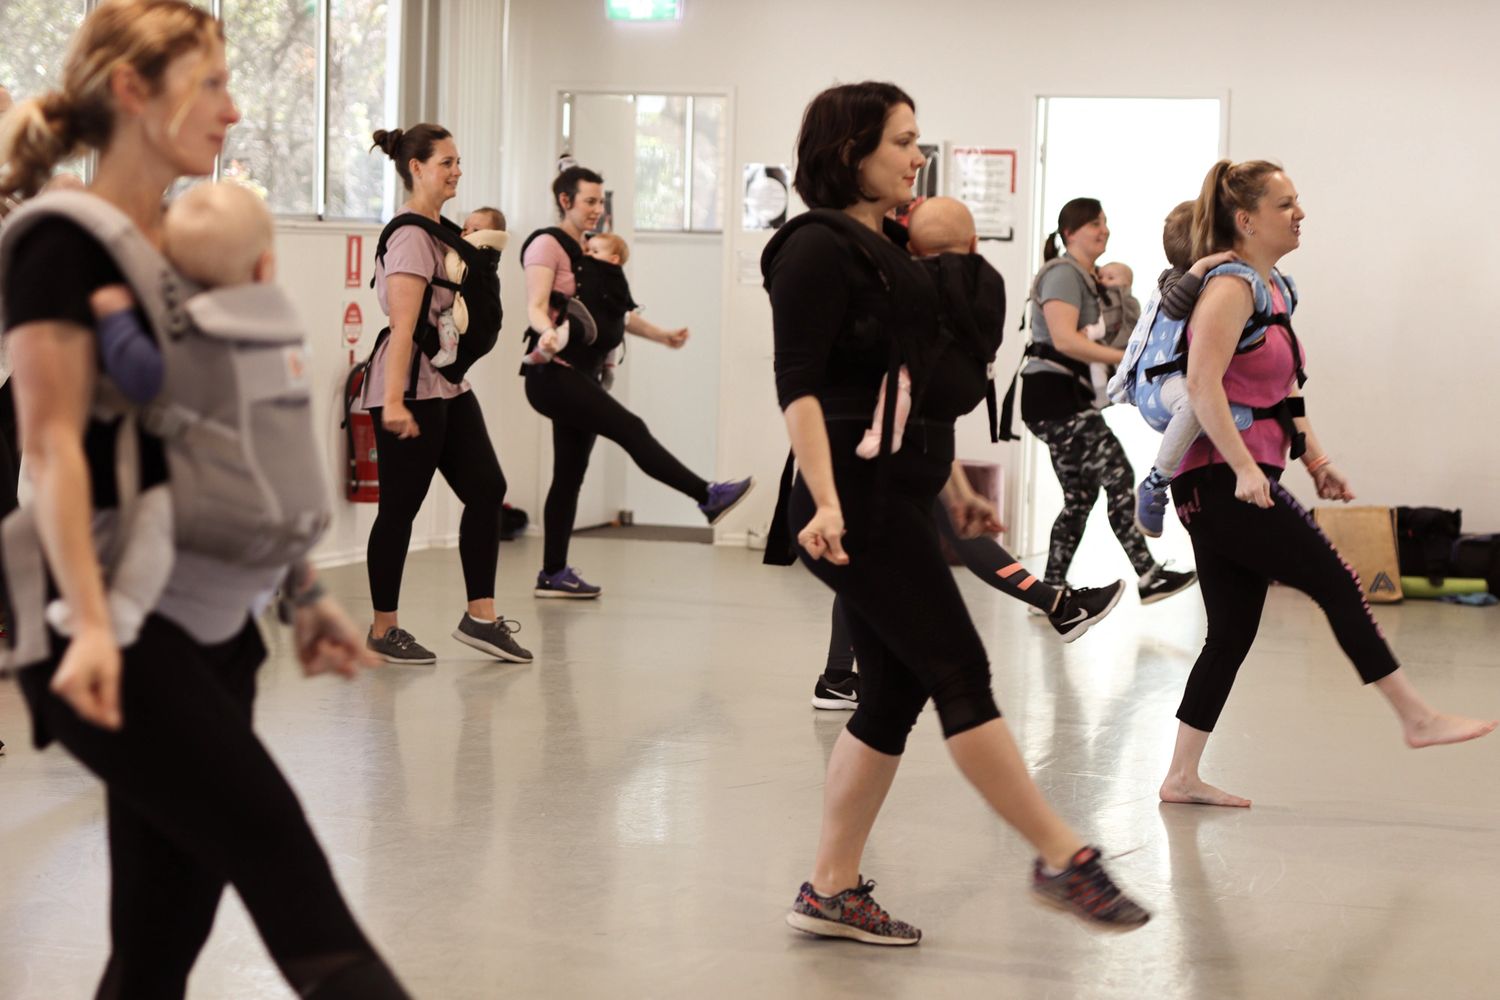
x=1079, y=609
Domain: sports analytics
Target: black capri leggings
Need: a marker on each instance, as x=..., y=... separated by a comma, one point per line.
x=454, y=442
x=983, y=556
x=194, y=803
x=911, y=633
x=1240, y=548
x=580, y=411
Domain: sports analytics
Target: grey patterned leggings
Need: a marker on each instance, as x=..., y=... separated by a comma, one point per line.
x=1086, y=455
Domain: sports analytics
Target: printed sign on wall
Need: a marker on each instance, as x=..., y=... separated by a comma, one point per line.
x=985, y=180
x=354, y=259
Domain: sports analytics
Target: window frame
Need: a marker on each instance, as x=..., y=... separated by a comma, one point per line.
x=399, y=10
x=563, y=118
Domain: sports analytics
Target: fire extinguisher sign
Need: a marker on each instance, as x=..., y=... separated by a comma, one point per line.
x=354, y=324
x=354, y=256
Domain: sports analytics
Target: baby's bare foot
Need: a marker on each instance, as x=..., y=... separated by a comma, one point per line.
x=1196, y=792
x=1440, y=728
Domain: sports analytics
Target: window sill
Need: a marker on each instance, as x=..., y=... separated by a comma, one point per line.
x=308, y=224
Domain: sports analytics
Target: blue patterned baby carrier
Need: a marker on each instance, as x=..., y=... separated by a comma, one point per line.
x=1158, y=349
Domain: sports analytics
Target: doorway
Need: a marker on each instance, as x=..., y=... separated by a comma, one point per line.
x=662, y=156
x=1139, y=157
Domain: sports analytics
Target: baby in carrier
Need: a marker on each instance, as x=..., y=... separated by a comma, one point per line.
x=1180, y=286
x=607, y=248
x=937, y=226
x=216, y=235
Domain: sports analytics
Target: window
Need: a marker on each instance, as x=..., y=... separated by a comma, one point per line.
x=313, y=79
x=679, y=148
x=273, y=59
x=36, y=34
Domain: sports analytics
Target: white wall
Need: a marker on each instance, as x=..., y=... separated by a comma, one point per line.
x=310, y=267
x=1383, y=114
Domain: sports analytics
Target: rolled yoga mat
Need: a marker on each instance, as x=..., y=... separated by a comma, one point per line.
x=1420, y=586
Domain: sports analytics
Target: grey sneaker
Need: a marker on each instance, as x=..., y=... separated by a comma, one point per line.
x=399, y=646
x=1086, y=891
x=493, y=638
x=851, y=914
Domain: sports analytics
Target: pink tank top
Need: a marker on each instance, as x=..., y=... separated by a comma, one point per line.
x=1260, y=377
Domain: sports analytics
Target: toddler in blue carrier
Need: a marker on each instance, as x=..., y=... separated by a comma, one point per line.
x=1178, y=289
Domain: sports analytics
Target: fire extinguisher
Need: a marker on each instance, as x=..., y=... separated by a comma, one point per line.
x=362, y=484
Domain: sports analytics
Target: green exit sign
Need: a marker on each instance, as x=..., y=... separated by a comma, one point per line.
x=643, y=10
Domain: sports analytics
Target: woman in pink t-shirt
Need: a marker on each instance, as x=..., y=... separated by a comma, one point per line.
x=1247, y=529
x=425, y=424
x=568, y=390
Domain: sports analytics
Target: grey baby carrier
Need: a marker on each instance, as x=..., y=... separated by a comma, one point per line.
x=246, y=476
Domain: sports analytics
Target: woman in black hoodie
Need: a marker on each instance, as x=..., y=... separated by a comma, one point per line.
x=850, y=307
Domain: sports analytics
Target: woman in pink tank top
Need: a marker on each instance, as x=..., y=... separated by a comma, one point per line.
x=1247, y=529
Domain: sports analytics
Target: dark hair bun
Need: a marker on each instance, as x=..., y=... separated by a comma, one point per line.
x=388, y=141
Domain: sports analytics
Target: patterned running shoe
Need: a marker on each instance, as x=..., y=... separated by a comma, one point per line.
x=851, y=914
x=725, y=497
x=1086, y=891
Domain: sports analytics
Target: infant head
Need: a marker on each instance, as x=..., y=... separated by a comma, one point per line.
x=484, y=218
x=1177, y=237
x=942, y=225
x=220, y=234
x=608, y=247
x=1116, y=275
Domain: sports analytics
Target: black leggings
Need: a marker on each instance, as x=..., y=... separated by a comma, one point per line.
x=910, y=630
x=984, y=557
x=580, y=411
x=10, y=451
x=195, y=803
x=1240, y=548
x=454, y=442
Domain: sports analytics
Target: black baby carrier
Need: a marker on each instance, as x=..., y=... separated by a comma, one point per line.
x=596, y=311
x=479, y=290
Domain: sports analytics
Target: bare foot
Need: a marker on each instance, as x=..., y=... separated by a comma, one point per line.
x=1440, y=728
x=1197, y=792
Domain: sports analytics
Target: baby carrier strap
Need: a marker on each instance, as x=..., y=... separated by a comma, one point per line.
x=1263, y=316
x=159, y=290
x=583, y=310
x=1034, y=351
x=480, y=289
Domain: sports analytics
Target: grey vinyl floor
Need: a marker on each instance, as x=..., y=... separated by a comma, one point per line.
x=631, y=815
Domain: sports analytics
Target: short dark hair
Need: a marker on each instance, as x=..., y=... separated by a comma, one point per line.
x=567, y=184
x=405, y=145
x=841, y=127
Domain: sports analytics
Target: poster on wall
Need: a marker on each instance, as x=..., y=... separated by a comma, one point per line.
x=985, y=180
x=767, y=196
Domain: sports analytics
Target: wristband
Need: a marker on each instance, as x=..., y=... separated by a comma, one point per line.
x=288, y=602
x=1318, y=463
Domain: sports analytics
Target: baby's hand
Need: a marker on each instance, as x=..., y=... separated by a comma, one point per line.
x=111, y=299
x=1213, y=260
x=1112, y=280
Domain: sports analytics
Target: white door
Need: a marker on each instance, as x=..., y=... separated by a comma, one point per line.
x=603, y=139
x=677, y=277
x=1139, y=157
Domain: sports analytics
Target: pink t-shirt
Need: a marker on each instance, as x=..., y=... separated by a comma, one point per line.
x=545, y=251
x=412, y=251
x=1261, y=377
